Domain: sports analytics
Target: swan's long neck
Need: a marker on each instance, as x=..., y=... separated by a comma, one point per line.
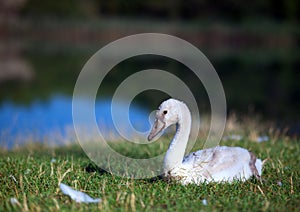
x=175, y=153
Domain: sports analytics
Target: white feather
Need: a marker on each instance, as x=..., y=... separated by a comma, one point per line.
x=78, y=196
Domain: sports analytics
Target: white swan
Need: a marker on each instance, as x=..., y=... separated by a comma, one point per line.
x=218, y=164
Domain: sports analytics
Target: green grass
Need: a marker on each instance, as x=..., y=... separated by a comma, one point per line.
x=28, y=175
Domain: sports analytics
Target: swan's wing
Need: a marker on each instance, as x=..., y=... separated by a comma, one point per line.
x=219, y=163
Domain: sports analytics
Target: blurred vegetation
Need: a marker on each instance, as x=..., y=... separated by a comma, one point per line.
x=227, y=10
x=253, y=46
x=62, y=8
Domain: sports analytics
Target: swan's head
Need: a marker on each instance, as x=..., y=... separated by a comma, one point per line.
x=166, y=115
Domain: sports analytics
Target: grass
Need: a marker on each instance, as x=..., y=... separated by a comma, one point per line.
x=29, y=175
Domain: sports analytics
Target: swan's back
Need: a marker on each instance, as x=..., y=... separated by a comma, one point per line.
x=219, y=164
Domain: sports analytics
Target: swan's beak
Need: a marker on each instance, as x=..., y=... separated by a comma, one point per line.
x=157, y=127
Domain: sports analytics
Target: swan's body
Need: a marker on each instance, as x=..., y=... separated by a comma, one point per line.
x=218, y=164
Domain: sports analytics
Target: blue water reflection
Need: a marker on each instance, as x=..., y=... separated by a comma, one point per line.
x=51, y=121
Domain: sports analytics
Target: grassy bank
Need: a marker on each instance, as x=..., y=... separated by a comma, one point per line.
x=32, y=174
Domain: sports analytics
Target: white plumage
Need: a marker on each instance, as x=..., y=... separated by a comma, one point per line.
x=218, y=164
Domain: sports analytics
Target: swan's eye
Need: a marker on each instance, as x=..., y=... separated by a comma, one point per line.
x=165, y=112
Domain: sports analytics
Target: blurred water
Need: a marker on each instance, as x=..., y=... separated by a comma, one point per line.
x=51, y=121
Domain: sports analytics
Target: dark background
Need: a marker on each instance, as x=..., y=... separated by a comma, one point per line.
x=252, y=45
